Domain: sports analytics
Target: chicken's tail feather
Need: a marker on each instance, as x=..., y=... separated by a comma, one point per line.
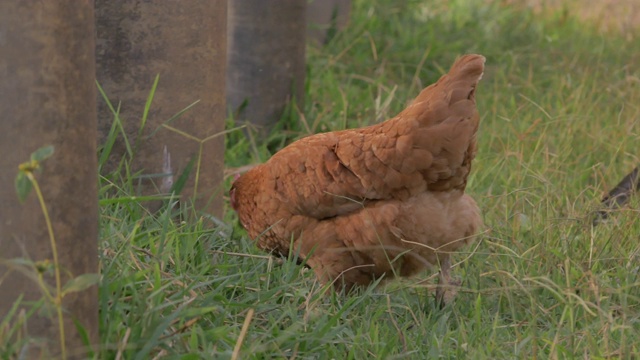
x=470, y=67
x=460, y=83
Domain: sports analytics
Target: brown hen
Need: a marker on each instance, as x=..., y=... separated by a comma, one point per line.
x=384, y=200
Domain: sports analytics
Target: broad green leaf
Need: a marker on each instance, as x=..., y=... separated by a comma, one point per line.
x=80, y=283
x=42, y=153
x=17, y=262
x=23, y=186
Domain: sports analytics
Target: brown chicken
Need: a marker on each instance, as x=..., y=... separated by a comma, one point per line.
x=383, y=200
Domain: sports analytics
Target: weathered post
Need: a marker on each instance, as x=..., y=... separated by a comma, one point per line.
x=266, y=59
x=47, y=97
x=326, y=17
x=184, y=42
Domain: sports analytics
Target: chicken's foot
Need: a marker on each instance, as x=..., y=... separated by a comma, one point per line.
x=447, y=286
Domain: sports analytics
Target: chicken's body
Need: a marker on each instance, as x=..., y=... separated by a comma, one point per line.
x=387, y=199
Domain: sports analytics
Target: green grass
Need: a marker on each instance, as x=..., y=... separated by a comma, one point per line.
x=559, y=106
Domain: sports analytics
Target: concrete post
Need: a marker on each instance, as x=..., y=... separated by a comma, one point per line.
x=185, y=43
x=47, y=97
x=266, y=57
x=325, y=17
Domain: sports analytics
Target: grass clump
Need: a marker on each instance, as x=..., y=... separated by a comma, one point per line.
x=559, y=124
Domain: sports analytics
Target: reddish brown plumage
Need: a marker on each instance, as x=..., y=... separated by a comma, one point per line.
x=384, y=199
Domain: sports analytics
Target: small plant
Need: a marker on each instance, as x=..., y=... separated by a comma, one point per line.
x=25, y=182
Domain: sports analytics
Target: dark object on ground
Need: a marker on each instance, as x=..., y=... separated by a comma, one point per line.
x=618, y=196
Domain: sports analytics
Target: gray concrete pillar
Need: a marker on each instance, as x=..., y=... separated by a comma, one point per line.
x=47, y=97
x=185, y=43
x=266, y=57
x=325, y=18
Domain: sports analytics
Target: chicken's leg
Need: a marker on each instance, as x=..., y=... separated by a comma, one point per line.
x=447, y=286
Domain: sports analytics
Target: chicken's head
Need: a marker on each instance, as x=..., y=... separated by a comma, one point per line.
x=232, y=193
x=240, y=198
